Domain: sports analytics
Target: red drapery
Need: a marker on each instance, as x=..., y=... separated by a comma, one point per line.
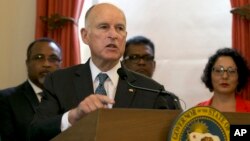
x=241, y=37
x=67, y=36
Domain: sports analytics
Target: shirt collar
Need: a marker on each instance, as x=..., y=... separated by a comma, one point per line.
x=112, y=73
x=34, y=87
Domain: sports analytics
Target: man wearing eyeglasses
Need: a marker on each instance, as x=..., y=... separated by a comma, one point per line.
x=18, y=104
x=139, y=55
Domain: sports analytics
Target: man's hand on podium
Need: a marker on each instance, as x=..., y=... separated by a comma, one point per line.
x=89, y=104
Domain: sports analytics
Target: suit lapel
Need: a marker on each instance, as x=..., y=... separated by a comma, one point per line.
x=83, y=82
x=30, y=95
x=124, y=94
x=84, y=87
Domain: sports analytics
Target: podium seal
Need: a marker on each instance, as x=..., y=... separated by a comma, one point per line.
x=200, y=124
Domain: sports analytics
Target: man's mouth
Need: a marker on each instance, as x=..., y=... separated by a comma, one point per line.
x=141, y=70
x=44, y=73
x=111, y=46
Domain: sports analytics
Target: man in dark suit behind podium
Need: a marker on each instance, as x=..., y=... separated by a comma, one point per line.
x=72, y=93
x=18, y=104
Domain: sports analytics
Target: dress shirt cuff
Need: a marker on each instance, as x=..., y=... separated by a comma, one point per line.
x=65, y=122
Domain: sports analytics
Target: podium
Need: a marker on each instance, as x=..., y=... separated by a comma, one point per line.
x=130, y=125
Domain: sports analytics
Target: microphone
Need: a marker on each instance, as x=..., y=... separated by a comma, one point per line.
x=124, y=76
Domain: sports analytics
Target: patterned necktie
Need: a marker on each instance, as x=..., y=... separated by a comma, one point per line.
x=100, y=89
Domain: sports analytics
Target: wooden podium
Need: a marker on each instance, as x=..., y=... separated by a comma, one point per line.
x=130, y=125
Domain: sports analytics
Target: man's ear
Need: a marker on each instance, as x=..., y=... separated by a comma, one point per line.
x=84, y=35
x=154, y=64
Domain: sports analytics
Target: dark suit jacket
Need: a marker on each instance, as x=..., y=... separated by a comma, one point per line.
x=17, y=108
x=66, y=88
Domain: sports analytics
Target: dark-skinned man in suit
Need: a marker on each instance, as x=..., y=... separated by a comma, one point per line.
x=18, y=104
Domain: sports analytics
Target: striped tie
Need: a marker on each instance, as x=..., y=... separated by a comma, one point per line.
x=100, y=89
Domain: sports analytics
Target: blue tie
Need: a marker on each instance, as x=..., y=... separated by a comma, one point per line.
x=100, y=89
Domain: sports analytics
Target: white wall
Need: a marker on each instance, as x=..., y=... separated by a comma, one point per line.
x=16, y=32
x=185, y=33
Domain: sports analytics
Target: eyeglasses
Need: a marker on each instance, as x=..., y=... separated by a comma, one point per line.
x=137, y=58
x=42, y=58
x=219, y=71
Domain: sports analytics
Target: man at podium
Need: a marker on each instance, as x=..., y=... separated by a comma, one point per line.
x=72, y=93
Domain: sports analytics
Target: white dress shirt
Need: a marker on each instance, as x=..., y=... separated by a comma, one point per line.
x=36, y=89
x=110, y=86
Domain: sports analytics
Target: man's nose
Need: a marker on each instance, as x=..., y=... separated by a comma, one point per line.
x=141, y=61
x=47, y=62
x=112, y=33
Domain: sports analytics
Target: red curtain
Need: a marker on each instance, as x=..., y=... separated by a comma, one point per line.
x=67, y=36
x=241, y=37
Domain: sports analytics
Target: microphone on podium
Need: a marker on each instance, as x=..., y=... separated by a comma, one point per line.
x=124, y=76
